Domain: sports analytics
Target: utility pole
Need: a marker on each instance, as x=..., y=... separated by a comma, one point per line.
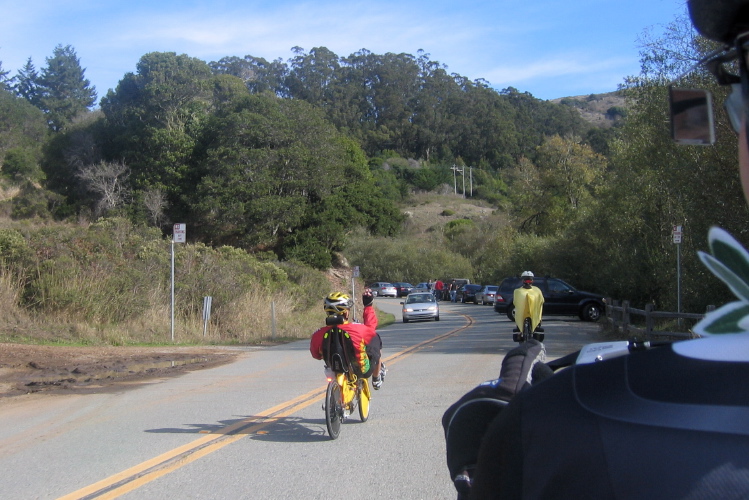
x=455, y=182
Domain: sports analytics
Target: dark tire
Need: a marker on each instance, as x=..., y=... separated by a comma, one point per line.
x=405, y=320
x=511, y=312
x=436, y=318
x=333, y=410
x=591, y=312
x=363, y=401
x=527, y=329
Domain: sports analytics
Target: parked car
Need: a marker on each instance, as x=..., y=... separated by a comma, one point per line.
x=383, y=289
x=421, y=287
x=421, y=305
x=560, y=299
x=486, y=295
x=467, y=293
x=402, y=289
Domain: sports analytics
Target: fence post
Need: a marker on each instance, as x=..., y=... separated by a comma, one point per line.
x=649, y=323
x=625, y=318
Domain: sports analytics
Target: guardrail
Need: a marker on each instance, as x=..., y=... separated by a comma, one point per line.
x=620, y=317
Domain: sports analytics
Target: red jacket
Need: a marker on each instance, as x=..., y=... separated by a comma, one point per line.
x=361, y=335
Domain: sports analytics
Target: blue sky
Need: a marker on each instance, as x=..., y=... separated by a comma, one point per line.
x=550, y=48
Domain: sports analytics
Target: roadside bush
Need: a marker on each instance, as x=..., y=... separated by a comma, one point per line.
x=455, y=229
x=406, y=259
x=109, y=283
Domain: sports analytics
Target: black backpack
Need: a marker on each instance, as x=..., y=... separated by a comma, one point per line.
x=338, y=351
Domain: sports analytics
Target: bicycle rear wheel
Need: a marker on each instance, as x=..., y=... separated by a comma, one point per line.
x=527, y=329
x=333, y=409
x=363, y=395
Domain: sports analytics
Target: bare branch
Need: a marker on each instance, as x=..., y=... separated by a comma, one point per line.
x=109, y=181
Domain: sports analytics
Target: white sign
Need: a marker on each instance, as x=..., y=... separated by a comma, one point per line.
x=180, y=233
x=356, y=271
x=677, y=234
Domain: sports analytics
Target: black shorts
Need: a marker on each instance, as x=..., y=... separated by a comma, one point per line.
x=373, y=351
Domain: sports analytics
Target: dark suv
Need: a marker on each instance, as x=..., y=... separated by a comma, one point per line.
x=560, y=299
x=467, y=293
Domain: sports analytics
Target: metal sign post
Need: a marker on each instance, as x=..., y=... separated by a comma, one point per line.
x=207, y=301
x=179, y=235
x=354, y=275
x=677, y=232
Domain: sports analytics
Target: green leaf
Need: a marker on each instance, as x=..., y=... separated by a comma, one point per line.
x=737, y=285
x=729, y=252
x=731, y=318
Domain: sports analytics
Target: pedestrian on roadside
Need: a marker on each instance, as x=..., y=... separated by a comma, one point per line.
x=439, y=287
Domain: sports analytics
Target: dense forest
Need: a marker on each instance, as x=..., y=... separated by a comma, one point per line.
x=311, y=159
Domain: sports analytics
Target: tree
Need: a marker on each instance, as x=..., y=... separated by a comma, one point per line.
x=155, y=202
x=276, y=176
x=258, y=74
x=26, y=83
x=108, y=180
x=653, y=184
x=571, y=170
x=21, y=164
x=155, y=116
x=64, y=91
x=22, y=128
x=4, y=80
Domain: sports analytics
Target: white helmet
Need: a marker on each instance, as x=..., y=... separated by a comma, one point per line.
x=527, y=278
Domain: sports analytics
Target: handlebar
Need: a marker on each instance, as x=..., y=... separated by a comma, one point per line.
x=600, y=351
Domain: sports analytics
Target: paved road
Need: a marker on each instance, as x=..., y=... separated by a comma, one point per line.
x=255, y=428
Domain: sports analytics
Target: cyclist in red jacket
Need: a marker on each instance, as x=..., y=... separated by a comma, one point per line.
x=366, y=341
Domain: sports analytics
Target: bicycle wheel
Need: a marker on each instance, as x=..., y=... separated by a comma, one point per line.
x=333, y=409
x=527, y=329
x=363, y=396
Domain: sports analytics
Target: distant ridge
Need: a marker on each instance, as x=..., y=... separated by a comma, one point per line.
x=600, y=110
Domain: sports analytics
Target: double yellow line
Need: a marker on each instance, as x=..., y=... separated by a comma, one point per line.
x=143, y=473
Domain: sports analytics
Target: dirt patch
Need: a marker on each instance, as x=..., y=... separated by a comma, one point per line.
x=427, y=216
x=26, y=369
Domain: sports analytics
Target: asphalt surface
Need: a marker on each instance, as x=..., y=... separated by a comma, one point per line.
x=255, y=428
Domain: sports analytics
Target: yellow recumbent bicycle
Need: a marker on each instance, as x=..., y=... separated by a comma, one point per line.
x=346, y=391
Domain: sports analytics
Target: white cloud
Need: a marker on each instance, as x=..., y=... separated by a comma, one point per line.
x=572, y=64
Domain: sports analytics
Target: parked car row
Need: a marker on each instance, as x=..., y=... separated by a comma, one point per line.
x=560, y=298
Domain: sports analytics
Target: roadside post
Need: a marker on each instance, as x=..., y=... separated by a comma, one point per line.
x=677, y=233
x=206, y=313
x=179, y=235
x=354, y=275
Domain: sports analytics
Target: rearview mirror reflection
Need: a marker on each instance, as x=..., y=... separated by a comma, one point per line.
x=691, y=116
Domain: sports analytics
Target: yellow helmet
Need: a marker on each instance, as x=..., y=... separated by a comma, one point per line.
x=337, y=302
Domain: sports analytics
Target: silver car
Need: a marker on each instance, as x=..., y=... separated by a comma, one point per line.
x=486, y=295
x=383, y=289
x=420, y=306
